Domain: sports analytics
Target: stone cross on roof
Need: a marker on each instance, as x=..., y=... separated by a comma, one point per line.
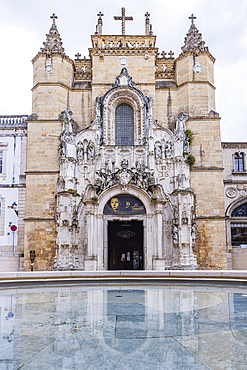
x=147, y=15
x=192, y=18
x=123, y=18
x=53, y=17
x=78, y=55
x=100, y=14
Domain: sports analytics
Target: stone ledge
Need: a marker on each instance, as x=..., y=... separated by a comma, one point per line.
x=205, y=275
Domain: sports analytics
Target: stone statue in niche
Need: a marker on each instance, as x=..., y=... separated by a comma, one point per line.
x=85, y=149
x=157, y=150
x=193, y=233
x=163, y=145
x=168, y=149
x=180, y=126
x=184, y=216
x=175, y=213
x=140, y=166
x=108, y=166
x=180, y=180
x=61, y=149
x=193, y=216
x=124, y=163
x=175, y=234
x=186, y=145
x=61, y=184
x=80, y=152
x=67, y=120
x=91, y=150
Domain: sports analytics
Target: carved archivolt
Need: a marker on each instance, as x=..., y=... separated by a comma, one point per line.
x=128, y=95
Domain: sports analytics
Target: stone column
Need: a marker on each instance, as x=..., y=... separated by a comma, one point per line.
x=149, y=242
x=99, y=241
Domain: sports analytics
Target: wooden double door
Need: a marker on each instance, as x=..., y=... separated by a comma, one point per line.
x=125, y=245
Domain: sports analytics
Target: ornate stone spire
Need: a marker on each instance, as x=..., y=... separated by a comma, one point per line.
x=193, y=40
x=53, y=43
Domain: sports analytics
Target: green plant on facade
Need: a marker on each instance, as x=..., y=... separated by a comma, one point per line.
x=190, y=135
x=190, y=159
x=94, y=198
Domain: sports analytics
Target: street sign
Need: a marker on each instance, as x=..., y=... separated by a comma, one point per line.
x=13, y=228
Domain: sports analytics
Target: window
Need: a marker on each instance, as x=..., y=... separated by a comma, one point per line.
x=239, y=228
x=2, y=215
x=240, y=211
x=1, y=161
x=239, y=162
x=124, y=125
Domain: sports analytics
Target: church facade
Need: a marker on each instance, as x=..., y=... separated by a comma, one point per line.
x=124, y=160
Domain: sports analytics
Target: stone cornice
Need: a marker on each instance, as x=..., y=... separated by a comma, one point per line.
x=41, y=172
x=38, y=219
x=61, y=85
x=40, y=54
x=208, y=169
x=235, y=182
x=197, y=82
x=11, y=186
x=203, y=118
x=211, y=218
x=113, y=41
x=234, y=145
x=124, y=51
x=110, y=84
x=184, y=55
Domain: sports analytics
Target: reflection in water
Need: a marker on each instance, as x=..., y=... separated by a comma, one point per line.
x=149, y=328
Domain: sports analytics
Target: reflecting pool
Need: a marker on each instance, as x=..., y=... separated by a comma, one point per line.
x=123, y=327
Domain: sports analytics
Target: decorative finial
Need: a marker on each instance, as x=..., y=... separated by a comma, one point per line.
x=123, y=18
x=53, y=17
x=53, y=43
x=163, y=53
x=78, y=55
x=100, y=14
x=171, y=54
x=193, y=39
x=151, y=30
x=192, y=17
x=100, y=24
x=147, y=15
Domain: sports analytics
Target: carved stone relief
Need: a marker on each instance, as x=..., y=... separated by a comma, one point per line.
x=231, y=192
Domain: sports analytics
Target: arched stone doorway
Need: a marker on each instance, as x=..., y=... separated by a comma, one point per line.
x=125, y=236
x=236, y=228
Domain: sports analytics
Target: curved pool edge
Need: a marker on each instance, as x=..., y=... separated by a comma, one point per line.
x=24, y=278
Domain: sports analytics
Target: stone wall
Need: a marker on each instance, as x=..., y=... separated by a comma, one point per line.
x=41, y=187
x=239, y=258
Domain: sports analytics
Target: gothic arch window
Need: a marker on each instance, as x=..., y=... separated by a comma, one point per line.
x=239, y=162
x=239, y=226
x=240, y=211
x=124, y=125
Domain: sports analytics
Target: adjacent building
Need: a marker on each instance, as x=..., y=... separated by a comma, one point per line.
x=13, y=140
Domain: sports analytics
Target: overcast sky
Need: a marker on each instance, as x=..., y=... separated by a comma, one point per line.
x=223, y=24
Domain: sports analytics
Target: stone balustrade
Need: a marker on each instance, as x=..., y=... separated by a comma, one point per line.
x=13, y=120
x=123, y=41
